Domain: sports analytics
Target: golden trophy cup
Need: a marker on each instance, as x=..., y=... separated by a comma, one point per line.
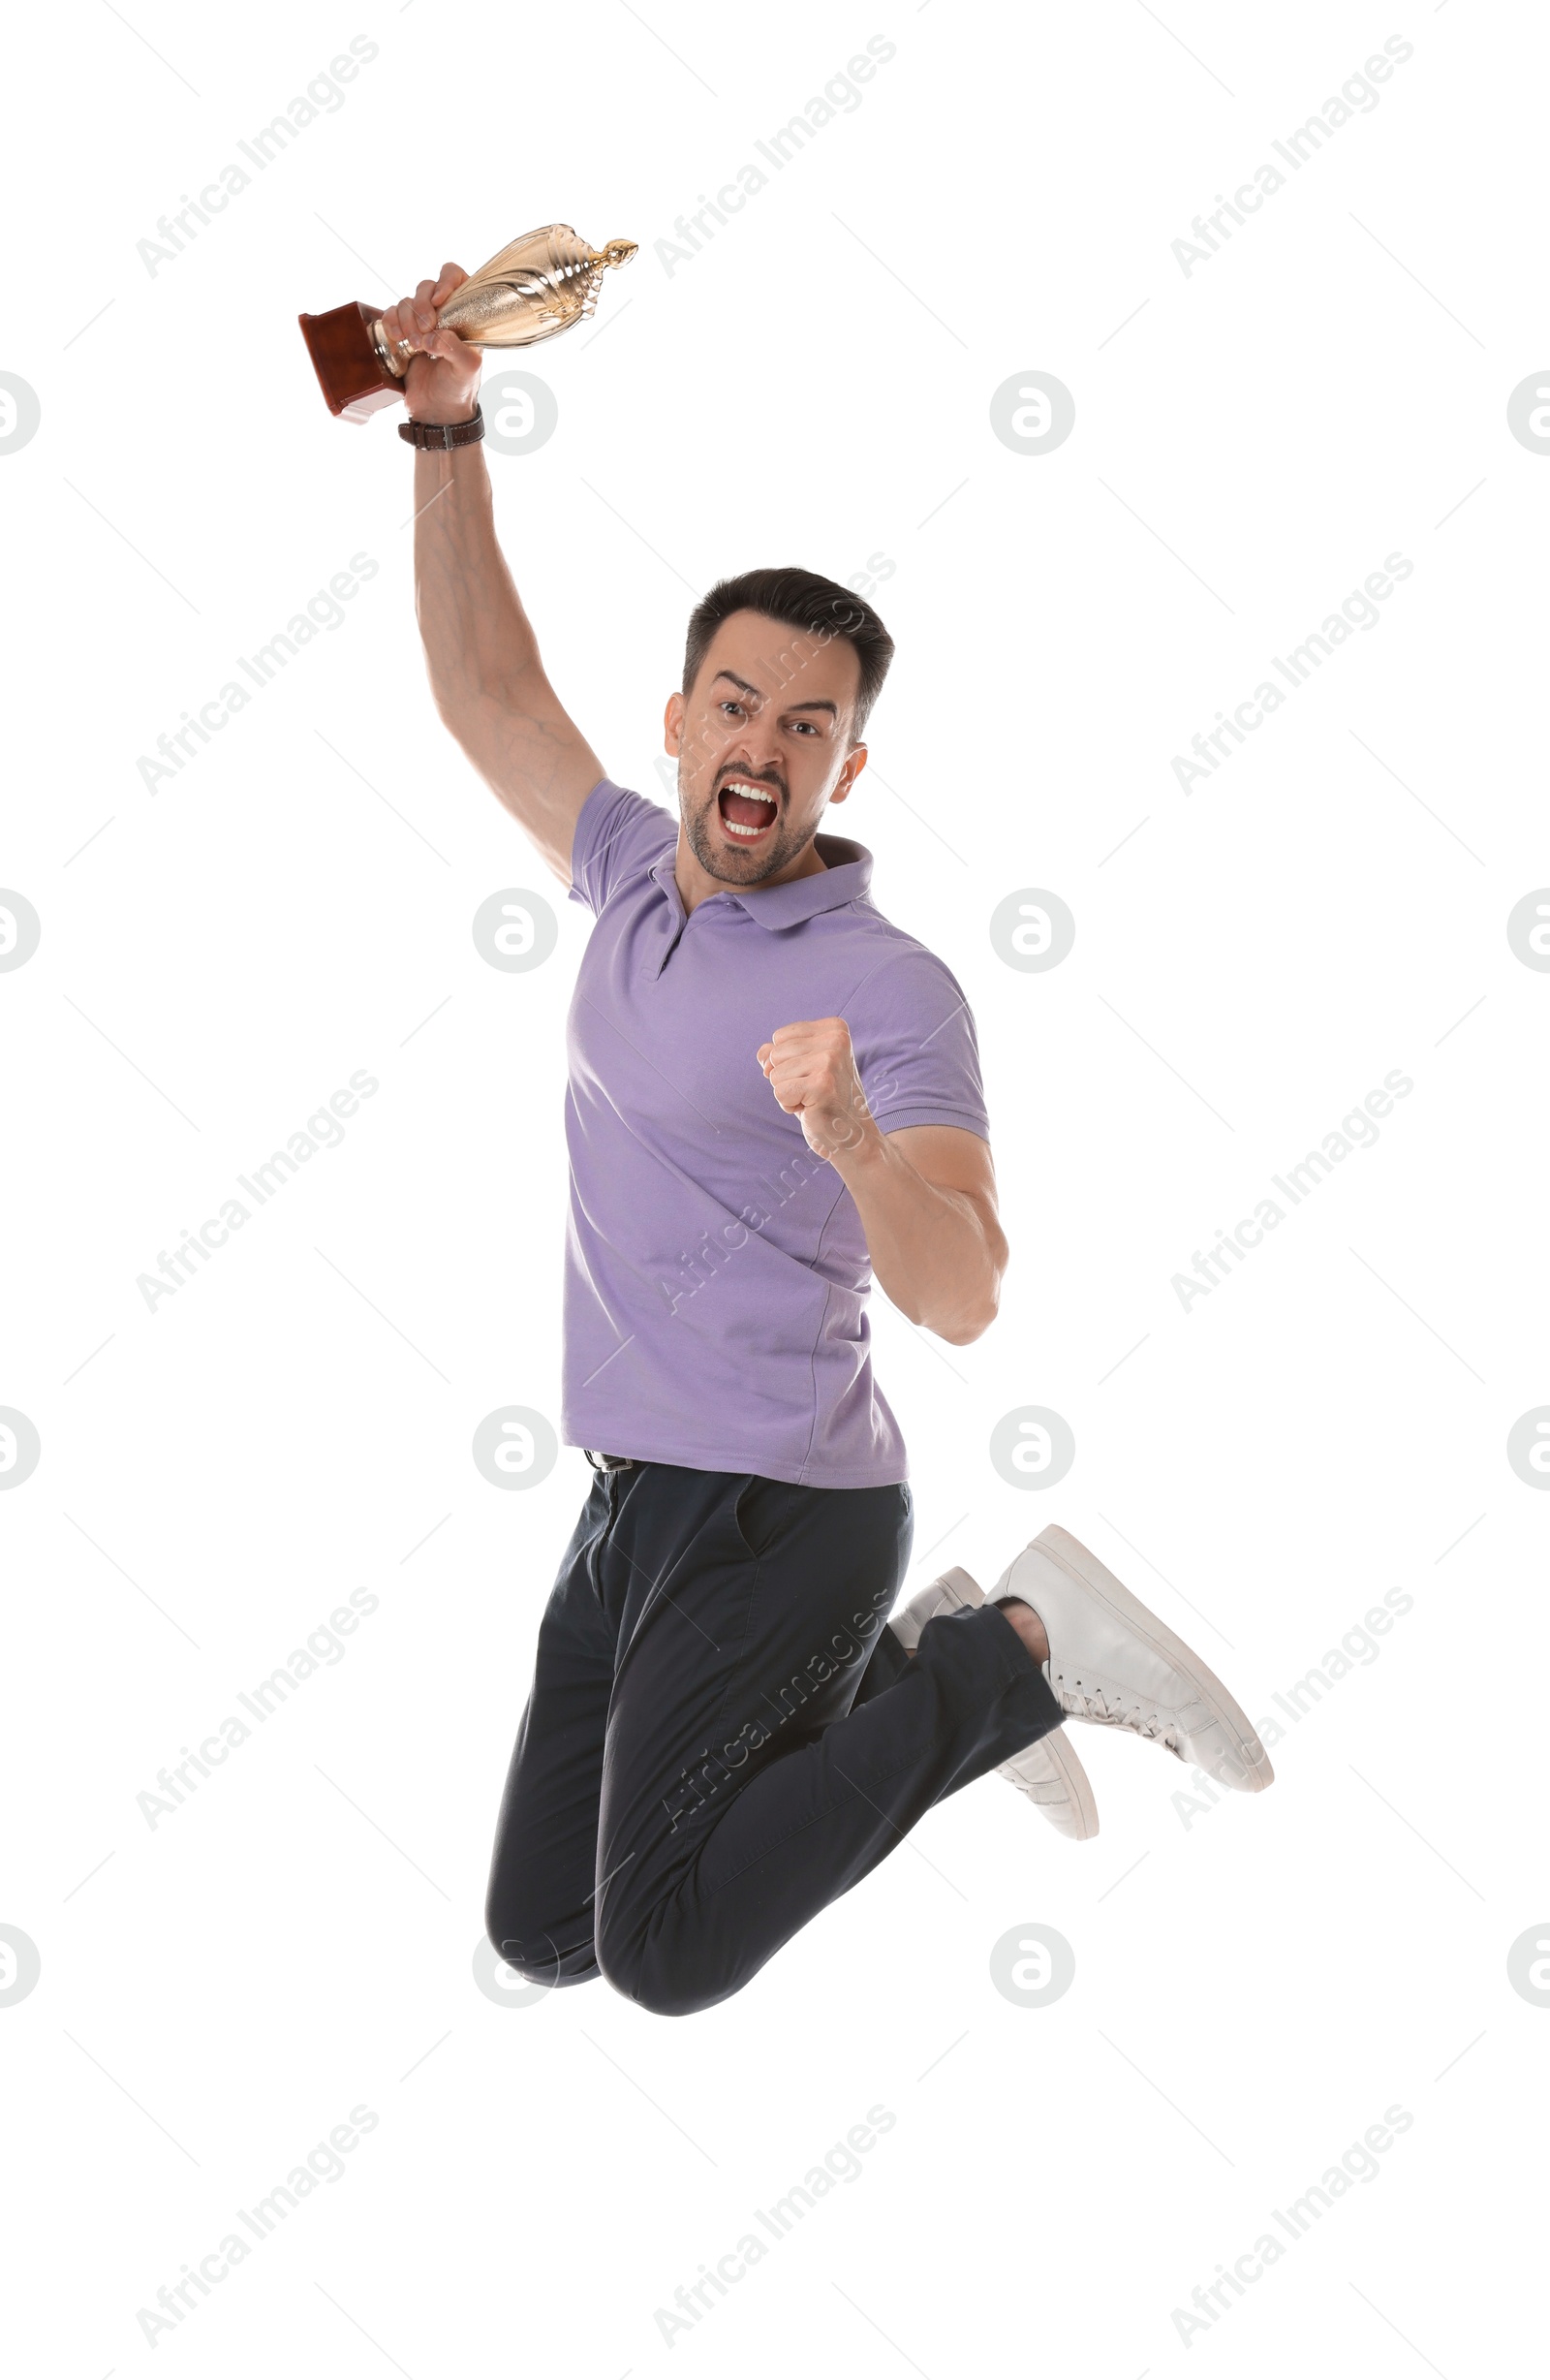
x=537, y=287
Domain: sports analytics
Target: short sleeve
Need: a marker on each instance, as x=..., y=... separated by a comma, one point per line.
x=916, y=1051
x=618, y=834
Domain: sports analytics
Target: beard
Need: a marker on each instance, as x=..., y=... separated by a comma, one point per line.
x=724, y=861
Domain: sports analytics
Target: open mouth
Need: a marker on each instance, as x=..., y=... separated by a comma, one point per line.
x=748, y=812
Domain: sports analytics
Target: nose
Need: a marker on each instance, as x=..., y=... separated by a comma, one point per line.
x=756, y=755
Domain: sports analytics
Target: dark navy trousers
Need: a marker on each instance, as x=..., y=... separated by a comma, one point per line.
x=723, y=1734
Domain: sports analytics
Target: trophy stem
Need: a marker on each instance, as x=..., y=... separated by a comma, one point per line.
x=388, y=360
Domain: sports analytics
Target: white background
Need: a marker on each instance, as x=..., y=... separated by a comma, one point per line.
x=1253, y=1987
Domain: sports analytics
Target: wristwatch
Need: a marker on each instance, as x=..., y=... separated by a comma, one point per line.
x=439, y=437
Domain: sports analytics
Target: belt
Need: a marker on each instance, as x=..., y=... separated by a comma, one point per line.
x=608, y=1463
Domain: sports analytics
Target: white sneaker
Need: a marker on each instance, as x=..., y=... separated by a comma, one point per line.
x=1048, y=1771
x=1114, y=1663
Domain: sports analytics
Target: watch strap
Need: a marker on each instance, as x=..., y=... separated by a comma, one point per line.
x=441, y=437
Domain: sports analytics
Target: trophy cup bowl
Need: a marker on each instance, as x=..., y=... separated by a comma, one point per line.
x=535, y=288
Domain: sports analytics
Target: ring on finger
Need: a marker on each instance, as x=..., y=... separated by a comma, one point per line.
x=403, y=347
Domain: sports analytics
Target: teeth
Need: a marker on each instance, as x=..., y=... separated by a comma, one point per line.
x=752, y=792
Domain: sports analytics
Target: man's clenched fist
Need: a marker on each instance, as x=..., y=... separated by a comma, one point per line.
x=811, y=1069
x=442, y=380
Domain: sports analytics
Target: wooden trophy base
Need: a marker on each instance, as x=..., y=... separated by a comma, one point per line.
x=353, y=379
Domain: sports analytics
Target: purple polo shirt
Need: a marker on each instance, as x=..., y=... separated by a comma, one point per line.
x=716, y=1270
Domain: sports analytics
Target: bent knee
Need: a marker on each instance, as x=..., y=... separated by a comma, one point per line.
x=526, y=1946
x=661, y=1981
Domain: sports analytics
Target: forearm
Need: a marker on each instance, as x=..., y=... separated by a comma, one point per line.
x=490, y=684
x=936, y=1252
x=479, y=643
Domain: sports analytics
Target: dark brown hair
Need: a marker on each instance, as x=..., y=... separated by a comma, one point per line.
x=798, y=599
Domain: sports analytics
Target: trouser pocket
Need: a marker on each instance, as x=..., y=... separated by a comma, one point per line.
x=759, y=1506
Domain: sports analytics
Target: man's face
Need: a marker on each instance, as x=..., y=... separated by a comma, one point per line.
x=763, y=744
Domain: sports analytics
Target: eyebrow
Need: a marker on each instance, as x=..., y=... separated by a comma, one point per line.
x=744, y=686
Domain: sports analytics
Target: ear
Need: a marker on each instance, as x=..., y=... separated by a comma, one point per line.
x=849, y=773
x=673, y=726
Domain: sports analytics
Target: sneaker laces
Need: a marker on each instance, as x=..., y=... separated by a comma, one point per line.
x=1105, y=1710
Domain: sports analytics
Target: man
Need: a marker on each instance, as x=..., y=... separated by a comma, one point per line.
x=774, y=1096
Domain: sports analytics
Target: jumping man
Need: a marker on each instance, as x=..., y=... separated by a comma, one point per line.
x=774, y=1097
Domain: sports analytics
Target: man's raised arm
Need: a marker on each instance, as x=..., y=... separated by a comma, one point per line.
x=485, y=673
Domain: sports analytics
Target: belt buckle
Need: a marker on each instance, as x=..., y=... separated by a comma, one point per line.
x=608, y=1463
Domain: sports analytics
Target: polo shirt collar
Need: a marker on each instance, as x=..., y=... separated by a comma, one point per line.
x=845, y=877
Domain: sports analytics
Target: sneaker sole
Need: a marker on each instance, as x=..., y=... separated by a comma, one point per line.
x=1073, y=1557
x=1062, y=1757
